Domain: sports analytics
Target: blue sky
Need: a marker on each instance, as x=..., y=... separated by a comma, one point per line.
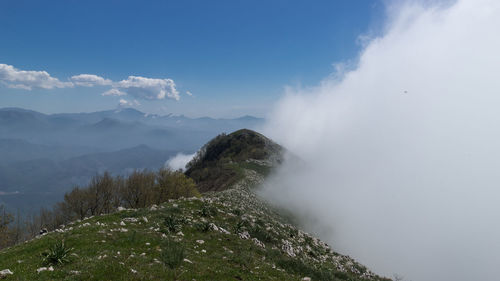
x=235, y=57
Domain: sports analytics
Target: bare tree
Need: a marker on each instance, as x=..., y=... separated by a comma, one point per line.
x=137, y=190
x=5, y=232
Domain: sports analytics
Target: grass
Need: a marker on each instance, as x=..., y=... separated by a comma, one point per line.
x=125, y=246
x=96, y=253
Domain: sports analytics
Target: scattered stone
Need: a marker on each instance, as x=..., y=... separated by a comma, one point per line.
x=133, y=270
x=204, y=251
x=258, y=243
x=122, y=223
x=200, y=241
x=306, y=279
x=41, y=269
x=188, y=261
x=223, y=230
x=244, y=235
x=76, y=272
x=5, y=272
x=288, y=248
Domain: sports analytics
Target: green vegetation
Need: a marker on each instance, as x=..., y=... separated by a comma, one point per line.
x=57, y=254
x=106, y=249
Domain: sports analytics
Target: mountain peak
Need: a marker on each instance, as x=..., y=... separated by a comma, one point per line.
x=218, y=164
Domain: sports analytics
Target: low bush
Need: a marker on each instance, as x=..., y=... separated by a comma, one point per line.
x=202, y=226
x=57, y=254
x=172, y=255
x=207, y=210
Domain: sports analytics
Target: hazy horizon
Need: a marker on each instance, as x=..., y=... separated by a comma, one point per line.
x=118, y=109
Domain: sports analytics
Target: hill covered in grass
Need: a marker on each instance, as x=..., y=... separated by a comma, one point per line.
x=224, y=235
x=222, y=161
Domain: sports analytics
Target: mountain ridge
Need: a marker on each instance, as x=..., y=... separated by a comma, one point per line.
x=231, y=234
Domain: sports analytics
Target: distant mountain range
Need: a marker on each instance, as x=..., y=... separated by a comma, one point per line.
x=116, y=129
x=44, y=155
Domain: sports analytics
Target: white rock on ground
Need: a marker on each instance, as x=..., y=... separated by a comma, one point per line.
x=258, y=243
x=41, y=269
x=244, y=235
x=5, y=272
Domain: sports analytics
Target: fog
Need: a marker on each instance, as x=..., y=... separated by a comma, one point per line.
x=402, y=149
x=179, y=161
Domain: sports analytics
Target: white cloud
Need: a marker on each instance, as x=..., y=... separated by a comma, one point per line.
x=23, y=79
x=148, y=88
x=179, y=161
x=114, y=92
x=126, y=103
x=90, y=80
x=189, y=93
x=135, y=86
x=403, y=150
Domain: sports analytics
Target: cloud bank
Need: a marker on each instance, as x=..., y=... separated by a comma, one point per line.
x=27, y=80
x=135, y=86
x=403, y=151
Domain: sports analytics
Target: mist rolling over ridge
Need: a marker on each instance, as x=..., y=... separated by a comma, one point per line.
x=377, y=157
x=403, y=149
